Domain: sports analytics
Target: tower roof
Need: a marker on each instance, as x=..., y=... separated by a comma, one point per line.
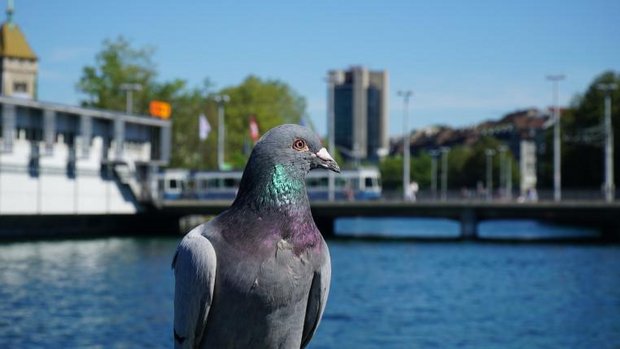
x=13, y=42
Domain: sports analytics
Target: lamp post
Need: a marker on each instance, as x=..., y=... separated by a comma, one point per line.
x=557, y=161
x=220, y=100
x=129, y=88
x=489, y=153
x=444, y=173
x=434, y=155
x=609, y=143
x=406, y=156
x=331, y=127
x=502, y=167
x=509, y=179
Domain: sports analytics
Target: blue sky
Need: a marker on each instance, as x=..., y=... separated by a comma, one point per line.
x=466, y=61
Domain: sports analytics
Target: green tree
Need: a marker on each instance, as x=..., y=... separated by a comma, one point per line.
x=272, y=102
x=118, y=63
x=583, y=130
x=188, y=150
x=391, y=168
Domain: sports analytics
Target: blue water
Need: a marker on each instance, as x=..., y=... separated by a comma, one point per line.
x=117, y=293
x=446, y=228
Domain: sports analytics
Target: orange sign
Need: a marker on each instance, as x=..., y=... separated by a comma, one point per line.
x=160, y=109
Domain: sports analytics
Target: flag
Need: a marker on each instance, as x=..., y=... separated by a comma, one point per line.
x=203, y=127
x=254, y=131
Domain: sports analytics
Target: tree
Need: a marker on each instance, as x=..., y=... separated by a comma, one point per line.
x=272, y=102
x=583, y=140
x=188, y=150
x=116, y=64
x=119, y=63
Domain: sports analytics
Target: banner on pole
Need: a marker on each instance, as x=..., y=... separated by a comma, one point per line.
x=203, y=127
x=254, y=130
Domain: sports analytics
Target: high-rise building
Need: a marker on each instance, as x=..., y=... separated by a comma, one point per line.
x=18, y=63
x=360, y=112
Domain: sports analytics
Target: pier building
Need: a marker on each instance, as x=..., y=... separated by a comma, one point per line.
x=58, y=159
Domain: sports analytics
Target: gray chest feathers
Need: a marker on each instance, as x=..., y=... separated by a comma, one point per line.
x=274, y=277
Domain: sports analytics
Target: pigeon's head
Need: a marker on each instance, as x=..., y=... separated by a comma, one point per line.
x=296, y=147
x=274, y=175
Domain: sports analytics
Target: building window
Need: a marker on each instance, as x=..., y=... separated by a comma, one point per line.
x=20, y=87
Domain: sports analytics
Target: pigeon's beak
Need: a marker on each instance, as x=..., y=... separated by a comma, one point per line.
x=326, y=161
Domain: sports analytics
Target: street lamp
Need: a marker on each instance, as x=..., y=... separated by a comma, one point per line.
x=489, y=153
x=220, y=100
x=609, y=142
x=406, y=156
x=129, y=88
x=434, y=154
x=331, y=127
x=444, y=173
x=557, y=161
x=502, y=166
x=509, y=178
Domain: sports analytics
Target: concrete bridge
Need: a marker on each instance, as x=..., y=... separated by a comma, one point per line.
x=595, y=214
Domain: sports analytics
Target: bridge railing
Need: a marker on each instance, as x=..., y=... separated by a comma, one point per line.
x=587, y=194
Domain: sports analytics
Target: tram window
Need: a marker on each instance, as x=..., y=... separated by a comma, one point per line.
x=341, y=182
x=368, y=183
x=173, y=184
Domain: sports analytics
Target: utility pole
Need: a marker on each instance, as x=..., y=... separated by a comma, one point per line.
x=434, y=154
x=406, y=156
x=609, y=186
x=489, y=153
x=220, y=100
x=331, y=128
x=557, y=153
x=502, y=167
x=509, y=179
x=129, y=88
x=444, y=173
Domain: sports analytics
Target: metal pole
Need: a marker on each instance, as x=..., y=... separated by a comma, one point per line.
x=220, y=100
x=434, y=155
x=609, y=186
x=406, y=151
x=129, y=88
x=331, y=119
x=444, y=173
x=489, y=153
x=509, y=179
x=502, y=167
x=129, y=105
x=557, y=160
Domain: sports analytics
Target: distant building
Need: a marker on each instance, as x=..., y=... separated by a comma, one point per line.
x=18, y=63
x=361, y=112
x=521, y=131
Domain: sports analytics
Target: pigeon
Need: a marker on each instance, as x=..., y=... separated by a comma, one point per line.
x=258, y=274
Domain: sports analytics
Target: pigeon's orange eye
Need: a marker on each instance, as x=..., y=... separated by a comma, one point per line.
x=300, y=145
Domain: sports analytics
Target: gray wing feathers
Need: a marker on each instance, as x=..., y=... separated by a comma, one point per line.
x=194, y=273
x=317, y=298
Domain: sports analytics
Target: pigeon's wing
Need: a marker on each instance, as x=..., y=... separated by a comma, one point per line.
x=194, y=267
x=317, y=298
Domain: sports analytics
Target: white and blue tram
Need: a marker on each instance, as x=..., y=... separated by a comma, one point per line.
x=177, y=184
